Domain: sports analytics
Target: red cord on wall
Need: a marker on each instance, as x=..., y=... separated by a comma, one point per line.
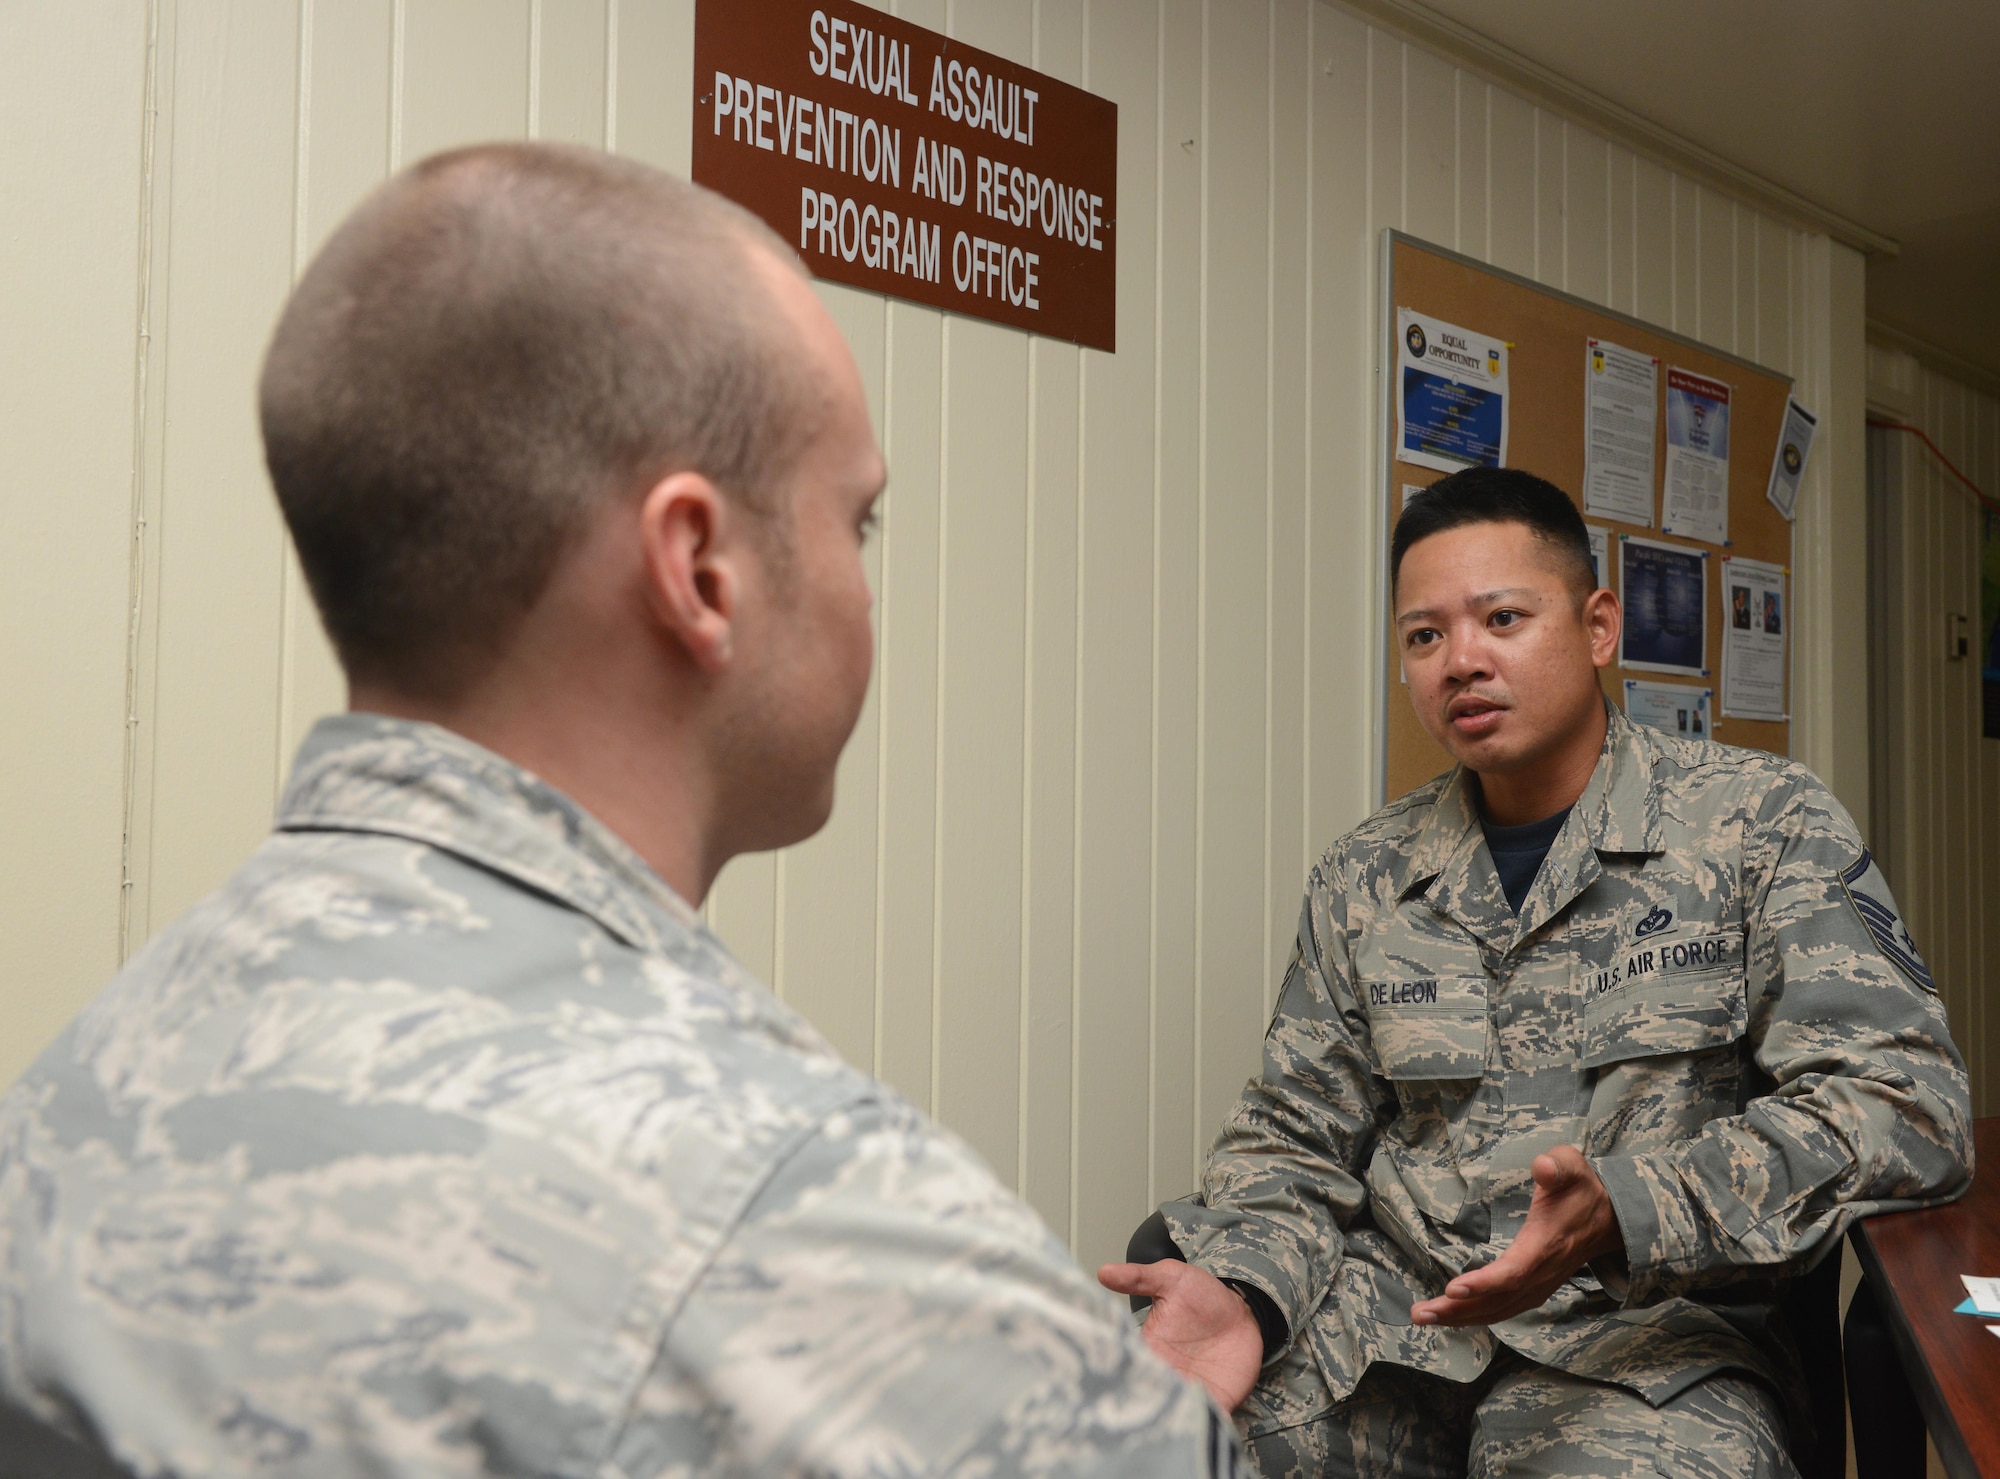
x=1918, y=433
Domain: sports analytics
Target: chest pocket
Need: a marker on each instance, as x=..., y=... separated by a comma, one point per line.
x=1683, y=993
x=1428, y=1029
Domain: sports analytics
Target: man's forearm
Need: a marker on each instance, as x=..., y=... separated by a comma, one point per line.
x=1768, y=1187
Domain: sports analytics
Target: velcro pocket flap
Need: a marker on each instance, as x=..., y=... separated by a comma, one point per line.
x=1682, y=994
x=1428, y=1029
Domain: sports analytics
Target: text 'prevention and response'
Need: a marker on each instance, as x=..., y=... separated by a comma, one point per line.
x=901, y=161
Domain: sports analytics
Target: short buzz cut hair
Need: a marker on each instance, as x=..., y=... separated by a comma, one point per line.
x=1498, y=495
x=496, y=341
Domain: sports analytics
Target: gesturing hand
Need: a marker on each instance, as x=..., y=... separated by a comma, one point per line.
x=1198, y=1325
x=1570, y=1221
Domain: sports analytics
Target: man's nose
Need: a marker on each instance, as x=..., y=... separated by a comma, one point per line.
x=1466, y=655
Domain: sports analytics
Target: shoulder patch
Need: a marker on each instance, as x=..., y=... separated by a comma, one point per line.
x=1868, y=891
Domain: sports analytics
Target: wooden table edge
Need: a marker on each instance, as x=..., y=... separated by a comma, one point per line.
x=1953, y=1450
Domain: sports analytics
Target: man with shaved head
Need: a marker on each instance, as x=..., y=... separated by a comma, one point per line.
x=445, y=1139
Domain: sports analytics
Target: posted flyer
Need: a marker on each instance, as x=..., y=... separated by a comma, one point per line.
x=1753, y=640
x=1620, y=415
x=1788, y=464
x=1696, y=500
x=1664, y=588
x=1678, y=708
x=1451, y=395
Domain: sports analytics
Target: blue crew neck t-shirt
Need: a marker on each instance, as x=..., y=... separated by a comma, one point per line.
x=1518, y=852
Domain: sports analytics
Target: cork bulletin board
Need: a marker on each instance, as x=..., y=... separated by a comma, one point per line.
x=1547, y=334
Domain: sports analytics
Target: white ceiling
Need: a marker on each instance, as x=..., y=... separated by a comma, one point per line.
x=1886, y=113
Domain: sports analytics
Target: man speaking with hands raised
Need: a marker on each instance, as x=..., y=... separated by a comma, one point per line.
x=1585, y=1047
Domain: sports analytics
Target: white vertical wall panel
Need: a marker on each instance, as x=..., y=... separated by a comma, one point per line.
x=464, y=68
x=1471, y=225
x=1512, y=181
x=1128, y=618
x=1587, y=231
x=1939, y=807
x=1174, y=656
x=1653, y=243
x=1111, y=1101
x=226, y=260
x=569, y=56
x=1231, y=545
x=74, y=92
x=1621, y=268
x=1288, y=478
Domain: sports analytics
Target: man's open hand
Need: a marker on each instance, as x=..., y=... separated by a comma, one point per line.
x=1198, y=1325
x=1570, y=1222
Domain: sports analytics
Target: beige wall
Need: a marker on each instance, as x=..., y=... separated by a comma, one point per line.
x=71, y=81
x=1937, y=782
x=1127, y=683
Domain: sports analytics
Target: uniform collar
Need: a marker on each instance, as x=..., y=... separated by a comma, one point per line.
x=1618, y=812
x=401, y=778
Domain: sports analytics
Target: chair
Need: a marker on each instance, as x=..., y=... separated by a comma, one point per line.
x=1811, y=1307
x=1888, y=1425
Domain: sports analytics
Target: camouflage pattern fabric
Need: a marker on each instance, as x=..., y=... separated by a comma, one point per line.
x=445, y=1140
x=1694, y=993
x=1528, y=1422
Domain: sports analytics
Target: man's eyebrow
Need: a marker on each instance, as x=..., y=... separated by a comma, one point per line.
x=1484, y=598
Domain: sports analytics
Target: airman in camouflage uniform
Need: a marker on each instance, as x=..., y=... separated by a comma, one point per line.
x=1537, y=1142
x=1707, y=991
x=445, y=1139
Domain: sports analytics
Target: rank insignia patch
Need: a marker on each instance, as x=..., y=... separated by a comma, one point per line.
x=1869, y=892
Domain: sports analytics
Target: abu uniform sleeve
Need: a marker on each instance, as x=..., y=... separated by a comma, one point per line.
x=1284, y=1176
x=1867, y=1106
x=884, y=1306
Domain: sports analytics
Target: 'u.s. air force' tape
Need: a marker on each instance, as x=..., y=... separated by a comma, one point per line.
x=1869, y=892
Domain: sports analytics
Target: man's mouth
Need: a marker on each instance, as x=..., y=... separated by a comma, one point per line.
x=1472, y=716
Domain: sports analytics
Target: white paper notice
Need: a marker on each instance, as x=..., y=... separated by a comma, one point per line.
x=1620, y=413
x=1674, y=707
x=1753, y=640
x=1451, y=395
x=1985, y=1293
x=1696, y=501
x=1600, y=553
x=1788, y=463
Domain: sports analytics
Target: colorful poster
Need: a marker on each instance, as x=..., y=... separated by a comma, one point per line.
x=1753, y=640
x=1664, y=588
x=1695, y=503
x=1620, y=415
x=1677, y=708
x=1788, y=465
x=1451, y=395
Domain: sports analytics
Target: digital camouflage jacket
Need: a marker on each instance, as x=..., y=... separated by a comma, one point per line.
x=444, y=1139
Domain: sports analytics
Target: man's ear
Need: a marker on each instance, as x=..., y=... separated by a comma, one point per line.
x=1604, y=619
x=693, y=579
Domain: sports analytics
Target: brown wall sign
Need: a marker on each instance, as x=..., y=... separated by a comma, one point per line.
x=898, y=160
